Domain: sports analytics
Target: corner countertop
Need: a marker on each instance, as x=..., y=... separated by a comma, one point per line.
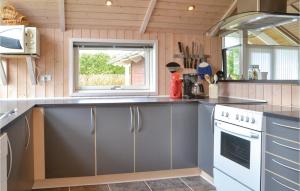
x=288, y=113
x=26, y=104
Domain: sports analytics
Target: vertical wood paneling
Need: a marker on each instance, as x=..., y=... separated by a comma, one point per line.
x=12, y=73
x=50, y=62
x=276, y=94
x=296, y=96
x=22, y=84
x=286, y=93
x=54, y=61
x=58, y=64
x=67, y=36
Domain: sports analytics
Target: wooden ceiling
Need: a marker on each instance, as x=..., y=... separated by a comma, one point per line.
x=168, y=15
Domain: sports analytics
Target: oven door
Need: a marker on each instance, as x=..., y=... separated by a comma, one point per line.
x=238, y=153
x=12, y=39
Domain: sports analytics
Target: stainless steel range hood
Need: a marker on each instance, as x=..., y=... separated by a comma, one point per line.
x=258, y=14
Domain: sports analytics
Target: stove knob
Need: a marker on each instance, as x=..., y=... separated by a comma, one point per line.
x=253, y=120
x=237, y=117
x=247, y=119
x=227, y=114
x=242, y=118
x=223, y=113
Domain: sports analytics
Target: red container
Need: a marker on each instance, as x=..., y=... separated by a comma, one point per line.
x=175, y=86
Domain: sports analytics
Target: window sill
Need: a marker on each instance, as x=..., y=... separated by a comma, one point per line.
x=100, y=93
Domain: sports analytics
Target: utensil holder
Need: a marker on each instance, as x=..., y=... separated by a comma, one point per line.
x=213, y=91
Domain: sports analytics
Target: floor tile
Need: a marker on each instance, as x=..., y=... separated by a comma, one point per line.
x=90, y=188
x=198, y=184
x=52, y=189
x=130, y=186
x=168, y=185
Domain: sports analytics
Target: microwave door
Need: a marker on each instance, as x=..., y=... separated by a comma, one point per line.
x=11, y=43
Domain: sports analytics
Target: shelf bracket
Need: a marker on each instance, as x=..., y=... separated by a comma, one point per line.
x=3, y=71
x=31, y=69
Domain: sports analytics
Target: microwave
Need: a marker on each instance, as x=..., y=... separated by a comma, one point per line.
x=19, y=39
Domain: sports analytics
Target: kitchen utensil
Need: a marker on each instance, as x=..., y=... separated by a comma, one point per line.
x=215, y=78
x=204, y=68
x=188, y=56
x=207, y=78
x=173, y=67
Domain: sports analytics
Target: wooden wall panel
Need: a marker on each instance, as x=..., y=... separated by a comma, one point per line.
x=54, y=59
x=275, y=94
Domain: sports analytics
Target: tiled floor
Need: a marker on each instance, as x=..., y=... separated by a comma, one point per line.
x=195, y=183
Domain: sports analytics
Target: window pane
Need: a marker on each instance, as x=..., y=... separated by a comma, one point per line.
x=112, y=68
x=233, y=62
x=232, y=39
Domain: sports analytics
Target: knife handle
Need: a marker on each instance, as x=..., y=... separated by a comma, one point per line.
x=180, y=47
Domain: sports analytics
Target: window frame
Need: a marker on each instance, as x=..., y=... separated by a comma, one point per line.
x=151, y=72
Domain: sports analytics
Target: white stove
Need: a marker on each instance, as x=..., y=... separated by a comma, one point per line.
x=237, y=149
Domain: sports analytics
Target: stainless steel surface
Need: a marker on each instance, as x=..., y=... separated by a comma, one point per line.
x=253, y=14
x=280, y=183
x=10, y=157
x=285, y=146
x=286, y=126
x=8, y=113
x=92, y=122
x=29, y=133
x=212, y=118
x=131, y=119
x=139, y=124
x=291, y=168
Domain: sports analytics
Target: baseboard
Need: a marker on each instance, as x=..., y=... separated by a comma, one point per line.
x=119, y=178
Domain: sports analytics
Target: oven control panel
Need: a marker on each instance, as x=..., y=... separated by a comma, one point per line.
x=241, y=117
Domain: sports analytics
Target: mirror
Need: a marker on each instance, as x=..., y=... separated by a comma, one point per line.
x=265, y=54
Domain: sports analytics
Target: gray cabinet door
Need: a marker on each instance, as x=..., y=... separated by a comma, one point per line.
x=27, y=167
x=184, y=135
x=153, y=137
x=115, y=140
x=17, y=136
x=69, y=142
x=205, y=138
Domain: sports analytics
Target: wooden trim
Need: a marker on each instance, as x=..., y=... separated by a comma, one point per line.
x=116, y=178
x=229, y=11
x=62, y=17
x=38, y=143
x=148, y=16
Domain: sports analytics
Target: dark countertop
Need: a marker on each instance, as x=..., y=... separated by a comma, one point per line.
x=25, y=105
x=289, y=113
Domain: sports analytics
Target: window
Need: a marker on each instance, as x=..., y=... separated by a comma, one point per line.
x=232, y=55
x=281, y=62
x=113, y=67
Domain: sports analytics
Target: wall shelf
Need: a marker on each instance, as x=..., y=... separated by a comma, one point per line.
x=31, y=65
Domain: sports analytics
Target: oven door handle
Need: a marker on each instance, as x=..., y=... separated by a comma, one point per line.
x=248, y=135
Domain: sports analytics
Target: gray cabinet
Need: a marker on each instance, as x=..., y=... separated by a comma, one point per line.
x=153, y=137
x=115, y=139
x=21, y=176
x=277, y=183
x=69, y=142
x=184, y=135
x=205, y=138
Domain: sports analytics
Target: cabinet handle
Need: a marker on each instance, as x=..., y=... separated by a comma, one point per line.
x=92, y=121
x=212, y=119
x=29, y=133
x=277, y=181
x=131, y=119
x=291, y=168
x=11, y=158
x=296, y=149
x=286, y=126
x=139, y=119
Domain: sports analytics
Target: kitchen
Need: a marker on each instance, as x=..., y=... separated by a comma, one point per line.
x=150, y=95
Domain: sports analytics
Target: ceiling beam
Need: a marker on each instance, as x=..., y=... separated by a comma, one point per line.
x=288, y=35
x=147, y=17
x=213, y=31
x=62, y=16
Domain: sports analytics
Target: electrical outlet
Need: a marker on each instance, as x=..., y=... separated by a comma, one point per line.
x=46, y=77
